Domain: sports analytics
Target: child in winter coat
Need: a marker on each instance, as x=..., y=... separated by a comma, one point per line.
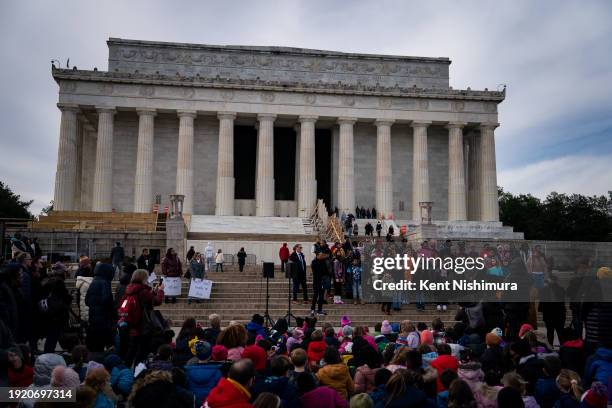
x=335, y=373
x=316, y=348
x=121, y=377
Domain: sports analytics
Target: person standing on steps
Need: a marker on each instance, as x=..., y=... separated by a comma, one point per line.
x=283, y=254
x=319, y=271
x=297, y=257
x=172, y=268
x=117, y=255
x=219, y=259
x=241, y=255
x=190, y=254
x=209, y=253
x=144, y=261
x=378, y=229
x=196, y=270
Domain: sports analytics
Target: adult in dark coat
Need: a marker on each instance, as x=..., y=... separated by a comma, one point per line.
x=145, y=262
x=299, y=264
x=102, y=311
x=55, y=309
x=552, y=306
x=597, y=314
x=10, y=299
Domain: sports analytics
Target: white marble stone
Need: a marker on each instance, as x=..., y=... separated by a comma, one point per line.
x=488, y=184
x=457, y=210
x=346, y=166
x=66, y=175
x=225, y=165
x=103, y=179
x=143, y=185
x=247, y=225
x=264, y=185
x=184, y=162
x=384, y=175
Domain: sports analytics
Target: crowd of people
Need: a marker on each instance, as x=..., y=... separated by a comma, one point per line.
x=130, y=356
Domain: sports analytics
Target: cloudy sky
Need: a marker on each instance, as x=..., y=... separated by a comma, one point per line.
x=555, y=57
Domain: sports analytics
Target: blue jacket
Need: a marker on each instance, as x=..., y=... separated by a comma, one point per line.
x=598, y=367
x=256, y=328
x=442, y=399
x=99, y=298
x=412, y=398
x=567, y=401
x=121, y=380
x=201, y=379
x=379, y=395
x=102, y=401
x=546, y=392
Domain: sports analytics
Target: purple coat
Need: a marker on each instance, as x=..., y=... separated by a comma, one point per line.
x=323, y=397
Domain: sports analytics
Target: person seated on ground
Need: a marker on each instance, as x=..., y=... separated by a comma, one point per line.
x=596, y=396
x=546, y=390
x=335, y=373
x=444, y=361
x=492, y=357
x=510, y=397
x=516, y=381
x=233, y=391
x=316, y=349
x=402, y=391
x=43, y=367
x=157, y=389
x=408, y=335
x=313, y=396
x=599, y=366
x=299, y=359
x=20, y=373
x=98, y=380
x=297, y=336
x=212, y=332
x=259, y=356
x=330, y=338
x=163, y=360
x=234, y=338
x=267, y=400
x=256, y=326
x=189, y=331
x=202, y=374
x=446, y=378
x=121, y=377
x=526, y=362
x=569, y=382
x=428, y=354
x=365, y=374
x=460, y=395
x=378, y=394
x=278, y=383
x=361, y=400
x=346, y=347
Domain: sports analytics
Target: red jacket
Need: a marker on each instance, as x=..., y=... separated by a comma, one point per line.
x=441, y=363
x=316, y=349
x=20, y=378
x=171, y=267
x=227, y=395
x=146, y=298
x=283, y=253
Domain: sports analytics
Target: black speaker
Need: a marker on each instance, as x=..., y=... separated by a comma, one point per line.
x=268, y=270
x=291, y=270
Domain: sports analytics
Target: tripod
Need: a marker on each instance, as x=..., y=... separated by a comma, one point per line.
x=290, y=274
x=268, y=272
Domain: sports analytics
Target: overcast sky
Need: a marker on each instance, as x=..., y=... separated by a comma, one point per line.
x=555, y=56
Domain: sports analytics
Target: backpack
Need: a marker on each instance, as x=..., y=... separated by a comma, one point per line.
x=130, y=311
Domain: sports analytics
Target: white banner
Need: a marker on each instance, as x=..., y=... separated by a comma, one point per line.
x=200, y=288
x=172, y=286
x=152, y=278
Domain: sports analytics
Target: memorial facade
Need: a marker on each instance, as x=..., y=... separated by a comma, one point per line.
x=266, y=131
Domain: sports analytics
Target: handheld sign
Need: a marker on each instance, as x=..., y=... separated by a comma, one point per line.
x=200, y=288
x=172, y=286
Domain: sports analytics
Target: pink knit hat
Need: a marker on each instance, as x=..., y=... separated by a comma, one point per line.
x=219, y=353
x=427, y=337
x=385, y=328
x=345, y=321
x=297, y=334
x=525, y=328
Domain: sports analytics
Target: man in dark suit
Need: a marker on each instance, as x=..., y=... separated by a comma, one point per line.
x=299, y=262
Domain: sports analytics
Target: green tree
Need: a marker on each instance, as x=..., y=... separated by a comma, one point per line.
x=11, y=205
x=559, y=217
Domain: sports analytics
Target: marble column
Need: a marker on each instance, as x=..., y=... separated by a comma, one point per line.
x=346, y=167
x=143, y=181
x=103, y=178
x=474, y=178
x=225, y=165
x=384, y=178
x=184, y=162
x=489, y=205
x=307, y=184
x=264, y=196
x=90, y=140
x=457, y=210
x=420, y=167
x=65, y=176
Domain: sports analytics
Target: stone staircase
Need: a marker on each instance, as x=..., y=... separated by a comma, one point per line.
x=237, y=296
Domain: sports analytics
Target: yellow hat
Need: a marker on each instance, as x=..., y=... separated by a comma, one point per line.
x=192, y=344
x=604, y=273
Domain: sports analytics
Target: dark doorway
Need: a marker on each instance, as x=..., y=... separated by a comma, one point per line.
x=284, y=163
x=323, y=152
x=245, y=159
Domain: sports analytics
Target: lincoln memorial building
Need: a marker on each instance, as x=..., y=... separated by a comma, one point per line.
x=267, y=131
